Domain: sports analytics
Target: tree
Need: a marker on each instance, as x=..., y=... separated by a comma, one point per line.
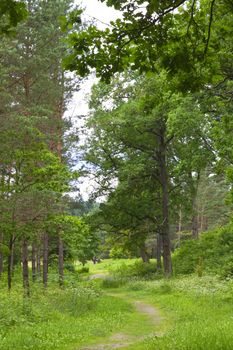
x=174, y=34
x=11, y=13
x=140, y=143
x=34, y=86
x=28, y=173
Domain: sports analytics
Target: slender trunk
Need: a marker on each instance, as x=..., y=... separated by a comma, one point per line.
x=179, y=227
x=60, y=260
x=25, y=267
x=195, y=231
x=144, y=254
x=1, y=254
x=166, y=244
x=10, y=262
x=38, y=267
x=205, y=223
x=159, y=252
x=33, y=262
x=195, y=216
x=45, y=258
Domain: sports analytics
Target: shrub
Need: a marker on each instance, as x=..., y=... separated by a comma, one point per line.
x=113, y=282
x=138, y=269
x=211, y=252
x=84, y=269
x=69, y=267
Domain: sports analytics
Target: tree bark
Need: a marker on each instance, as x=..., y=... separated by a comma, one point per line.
x=195, y=231
x=144, y=254
x=1, y=254
x=38, y=266
x=25, y=267
x=159, y=252
x=195, y=216
x=166, y=244
x=33, y=262
x=45, y=259
x=10, y=262
x=60, y=260
x=179, y=227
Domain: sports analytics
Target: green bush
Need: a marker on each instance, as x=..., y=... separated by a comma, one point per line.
x=138, y=269
x=210, y=253
x=118, y=253
x=84, y=269
x=113, y=282
x=69, y=267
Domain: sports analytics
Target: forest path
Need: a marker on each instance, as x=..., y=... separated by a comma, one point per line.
x=147, y=324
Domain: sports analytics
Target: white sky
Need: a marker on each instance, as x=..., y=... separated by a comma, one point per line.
x=94, y=10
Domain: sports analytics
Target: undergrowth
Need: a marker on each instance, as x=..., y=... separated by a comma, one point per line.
x=58, y=318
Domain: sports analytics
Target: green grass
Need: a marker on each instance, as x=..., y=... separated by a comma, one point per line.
x=109, y=265
x=197, y=312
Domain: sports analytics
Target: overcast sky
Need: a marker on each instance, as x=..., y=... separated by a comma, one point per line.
x=95, y=10
x=98, y=10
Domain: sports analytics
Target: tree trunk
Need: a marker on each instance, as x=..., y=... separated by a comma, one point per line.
x=10, y=262
x=195, y=209
x=159, y=252
x=38, y=267
x=25, y=267
x=45, y=258
x=33, y=262
x=179, y=227
x=60, y=260
x=195, y=233
x=205, y=223
x=1, y=254
x=144, y=254
x=166, y=244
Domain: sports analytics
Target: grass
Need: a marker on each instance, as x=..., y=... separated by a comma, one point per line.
x=198, y=312
x=58, y=319
x=109, y=265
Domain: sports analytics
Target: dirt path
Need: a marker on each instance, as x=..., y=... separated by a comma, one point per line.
x=149, y=310
x=122, y=340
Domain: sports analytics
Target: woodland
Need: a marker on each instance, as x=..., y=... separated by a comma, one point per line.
x=146, y=262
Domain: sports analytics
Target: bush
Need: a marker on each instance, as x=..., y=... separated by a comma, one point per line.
x=118, y=253
x=84, y=269
x=69, y=267
x=113, y=282
x=211, y=253
x=138, y=269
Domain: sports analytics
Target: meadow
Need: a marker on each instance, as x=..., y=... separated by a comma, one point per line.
x=94, y=311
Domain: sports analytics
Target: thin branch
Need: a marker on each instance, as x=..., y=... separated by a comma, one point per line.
x=210, y=24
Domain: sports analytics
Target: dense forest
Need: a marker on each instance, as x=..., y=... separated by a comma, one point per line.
x=144, y=259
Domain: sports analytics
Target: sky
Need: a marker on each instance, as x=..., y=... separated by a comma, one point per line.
x=98, y=11
x=94, y=10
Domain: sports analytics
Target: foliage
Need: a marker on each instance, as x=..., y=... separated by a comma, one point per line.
x=81, y=243
x=147, y=35
x=211, y=253
x=11, y=13
x=118, y=253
